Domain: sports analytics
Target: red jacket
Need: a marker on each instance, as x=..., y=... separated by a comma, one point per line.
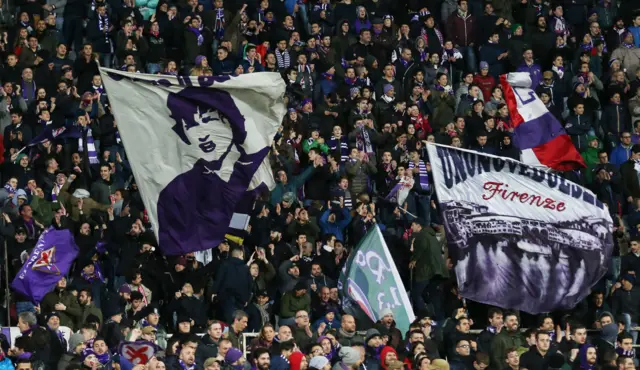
x=461, y=30
x=486, y=84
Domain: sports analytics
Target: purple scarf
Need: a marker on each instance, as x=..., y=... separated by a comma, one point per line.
x=199, y=36
x=97, y=274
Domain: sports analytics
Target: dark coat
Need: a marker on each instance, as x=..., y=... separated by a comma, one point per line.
x=234, y=280
x=427, y=252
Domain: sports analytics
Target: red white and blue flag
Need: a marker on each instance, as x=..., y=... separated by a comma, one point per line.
x=537, y=133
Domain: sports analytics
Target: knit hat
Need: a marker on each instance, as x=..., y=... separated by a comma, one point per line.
x=371, y=333
x=75, y=340
x=51, y=314
x=349, y=356
x=124, y=288
x=199, y=59
x=386, y=312
x=484, y=65
x=300, y=285
x=295, y=360
x=514, y=27
x=232, y=356
x=609, y=332
x=613, y=60
x=318, y=362
x=576, y=84
x=387, y=87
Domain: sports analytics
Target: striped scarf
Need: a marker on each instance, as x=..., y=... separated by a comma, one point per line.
x=218, y=27
x=9, y=189
x=422, y=171
x=91, y=147
x=344, y=148
x=283, y=59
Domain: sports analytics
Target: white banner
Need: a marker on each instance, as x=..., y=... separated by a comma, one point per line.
x=196, y=146
x=521, y=237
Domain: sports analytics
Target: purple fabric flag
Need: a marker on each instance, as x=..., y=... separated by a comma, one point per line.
x=393, y=193
x=49, y=261
x=50, y=133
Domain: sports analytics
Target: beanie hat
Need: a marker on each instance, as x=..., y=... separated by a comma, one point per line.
x=371, y=333
x=514, y=27
x=386, y=312
x=124, y=288
x=295, y=360
x=232, y=356
x=199, y=59
x=386, y=88
x=484, y=65
x=75, y=340
x=318, y=362
x=349, y=355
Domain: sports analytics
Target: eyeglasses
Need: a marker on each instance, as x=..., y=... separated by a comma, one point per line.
x=464, y=346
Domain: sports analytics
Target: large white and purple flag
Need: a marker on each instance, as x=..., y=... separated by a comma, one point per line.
x=197, y=146
x=520, y=237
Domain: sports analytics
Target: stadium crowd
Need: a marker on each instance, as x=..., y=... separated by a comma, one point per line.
x=369, y=82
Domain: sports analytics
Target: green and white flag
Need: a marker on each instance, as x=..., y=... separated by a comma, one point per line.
x=369, y=283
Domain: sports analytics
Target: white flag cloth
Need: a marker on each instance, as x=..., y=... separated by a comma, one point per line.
x=197, y=146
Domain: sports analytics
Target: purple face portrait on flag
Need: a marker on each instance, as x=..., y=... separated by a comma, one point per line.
x=205, y=145
x=210, y=119
x=49, y=261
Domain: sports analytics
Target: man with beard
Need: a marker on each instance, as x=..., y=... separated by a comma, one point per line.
x=63, y=303
x=261, y=359
x=509, y=337
x=537, y=358
x=588, y=357
x=347, y=334
x=87, y=307
x=387, y=324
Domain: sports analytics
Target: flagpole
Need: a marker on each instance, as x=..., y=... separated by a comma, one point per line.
x=407, y=212
x=6, y=278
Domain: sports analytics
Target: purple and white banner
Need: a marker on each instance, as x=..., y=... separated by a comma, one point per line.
x=520, y=237
x=198, y=147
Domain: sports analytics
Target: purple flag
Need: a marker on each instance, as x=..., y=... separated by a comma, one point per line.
x=393, y=193
x=49, y=261
x=51, y=133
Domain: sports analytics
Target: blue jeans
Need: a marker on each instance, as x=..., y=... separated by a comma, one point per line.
x=423, y=205
x=470, y=60
x=72, y=29
x=106, y=60
x=304, y=15
x=153, y=68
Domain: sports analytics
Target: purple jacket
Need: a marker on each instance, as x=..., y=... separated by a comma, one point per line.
x=534, y=72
